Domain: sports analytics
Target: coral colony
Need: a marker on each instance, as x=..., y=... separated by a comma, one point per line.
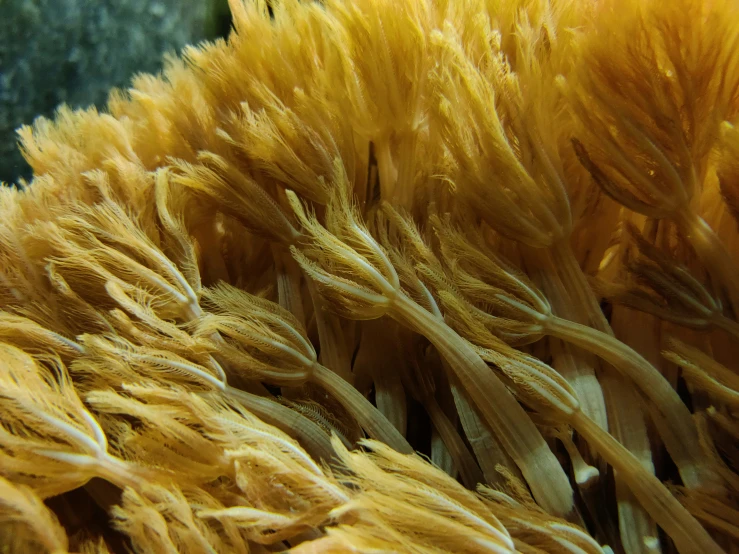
x=385, y=276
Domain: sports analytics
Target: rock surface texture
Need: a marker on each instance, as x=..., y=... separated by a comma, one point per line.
x=74, y=51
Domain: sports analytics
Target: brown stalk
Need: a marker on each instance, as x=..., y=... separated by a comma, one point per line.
x=377, y=293
x=526, y=314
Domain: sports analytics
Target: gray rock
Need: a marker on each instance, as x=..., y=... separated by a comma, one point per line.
x=74, y=51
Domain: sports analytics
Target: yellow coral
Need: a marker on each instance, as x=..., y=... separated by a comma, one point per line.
x=398, y=220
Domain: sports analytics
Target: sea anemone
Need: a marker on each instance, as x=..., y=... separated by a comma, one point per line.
x=380, y=276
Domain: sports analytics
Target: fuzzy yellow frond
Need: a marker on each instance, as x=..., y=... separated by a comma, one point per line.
x=657, y=83
x=45, y=424
x=26, y=524
x=414, y=222
x=347, y=264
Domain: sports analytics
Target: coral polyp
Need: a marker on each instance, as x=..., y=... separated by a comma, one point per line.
x=376, y=276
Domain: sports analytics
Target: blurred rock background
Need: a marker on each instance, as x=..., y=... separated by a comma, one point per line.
x=74, y=51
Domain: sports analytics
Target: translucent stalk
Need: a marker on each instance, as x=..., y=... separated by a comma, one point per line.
x=440, y=453
x=390, y=398
x=726, y=324
x=381, y=364
x=369, y=418
x=288, y=284
x=578, y=289
x=689, y=536
x=635, y=526
x=441, y=456
x=550, y=393
x=454, y=448
x=712, y=253
x=586, y=475
x=334, y=353
x=512, y=425
x=487, y=448
x=296, y=425
x=404, y=187
x=686, y=452
x=628, y=426
x=576, y=366
x=385, y=167
x=120, y=473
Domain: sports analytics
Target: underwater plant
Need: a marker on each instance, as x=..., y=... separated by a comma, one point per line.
x=374, y=276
